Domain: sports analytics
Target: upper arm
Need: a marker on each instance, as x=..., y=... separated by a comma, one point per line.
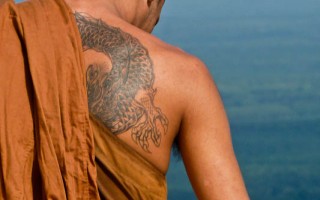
x=205, y=142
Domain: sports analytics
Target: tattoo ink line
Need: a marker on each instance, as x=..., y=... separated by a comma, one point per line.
x=123, y=98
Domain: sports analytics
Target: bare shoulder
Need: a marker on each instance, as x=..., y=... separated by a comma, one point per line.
x=189, y=73
x=187, y=68
x=204, y=138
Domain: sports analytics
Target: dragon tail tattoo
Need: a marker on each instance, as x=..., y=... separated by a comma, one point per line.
x=123, y=97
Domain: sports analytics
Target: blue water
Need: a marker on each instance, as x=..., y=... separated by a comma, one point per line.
x=265, y=59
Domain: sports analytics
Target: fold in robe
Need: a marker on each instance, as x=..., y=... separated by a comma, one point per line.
x=46, y=142
x=46, y=135
x=122, y=172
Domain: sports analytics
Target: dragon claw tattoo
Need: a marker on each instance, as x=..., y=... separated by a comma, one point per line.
x=123, y=97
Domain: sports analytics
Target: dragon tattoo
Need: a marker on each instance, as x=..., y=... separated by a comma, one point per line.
x=122, y=98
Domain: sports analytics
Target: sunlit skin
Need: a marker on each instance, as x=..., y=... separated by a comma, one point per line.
x=182, y=98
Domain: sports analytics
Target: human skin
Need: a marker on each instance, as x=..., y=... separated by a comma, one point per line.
x=172, y=97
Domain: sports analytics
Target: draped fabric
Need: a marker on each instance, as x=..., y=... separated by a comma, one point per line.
x=46, y=143
x=50, y=147
x=122, y=172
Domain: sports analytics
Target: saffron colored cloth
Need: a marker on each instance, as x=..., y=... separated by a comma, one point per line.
x=46, y=143
x=122, y=172
x=50, y=147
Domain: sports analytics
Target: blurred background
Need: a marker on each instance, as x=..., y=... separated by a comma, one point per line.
x=265, y=59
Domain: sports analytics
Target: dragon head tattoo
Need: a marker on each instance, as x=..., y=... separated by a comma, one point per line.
x=122, y=98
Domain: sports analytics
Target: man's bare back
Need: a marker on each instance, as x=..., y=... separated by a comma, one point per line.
x=149, y=93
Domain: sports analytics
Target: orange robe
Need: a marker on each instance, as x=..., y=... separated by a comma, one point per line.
x=122, y=172
x=46, y=142
x=50, y=148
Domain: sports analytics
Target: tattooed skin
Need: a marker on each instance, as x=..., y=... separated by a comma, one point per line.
x=122, y=98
